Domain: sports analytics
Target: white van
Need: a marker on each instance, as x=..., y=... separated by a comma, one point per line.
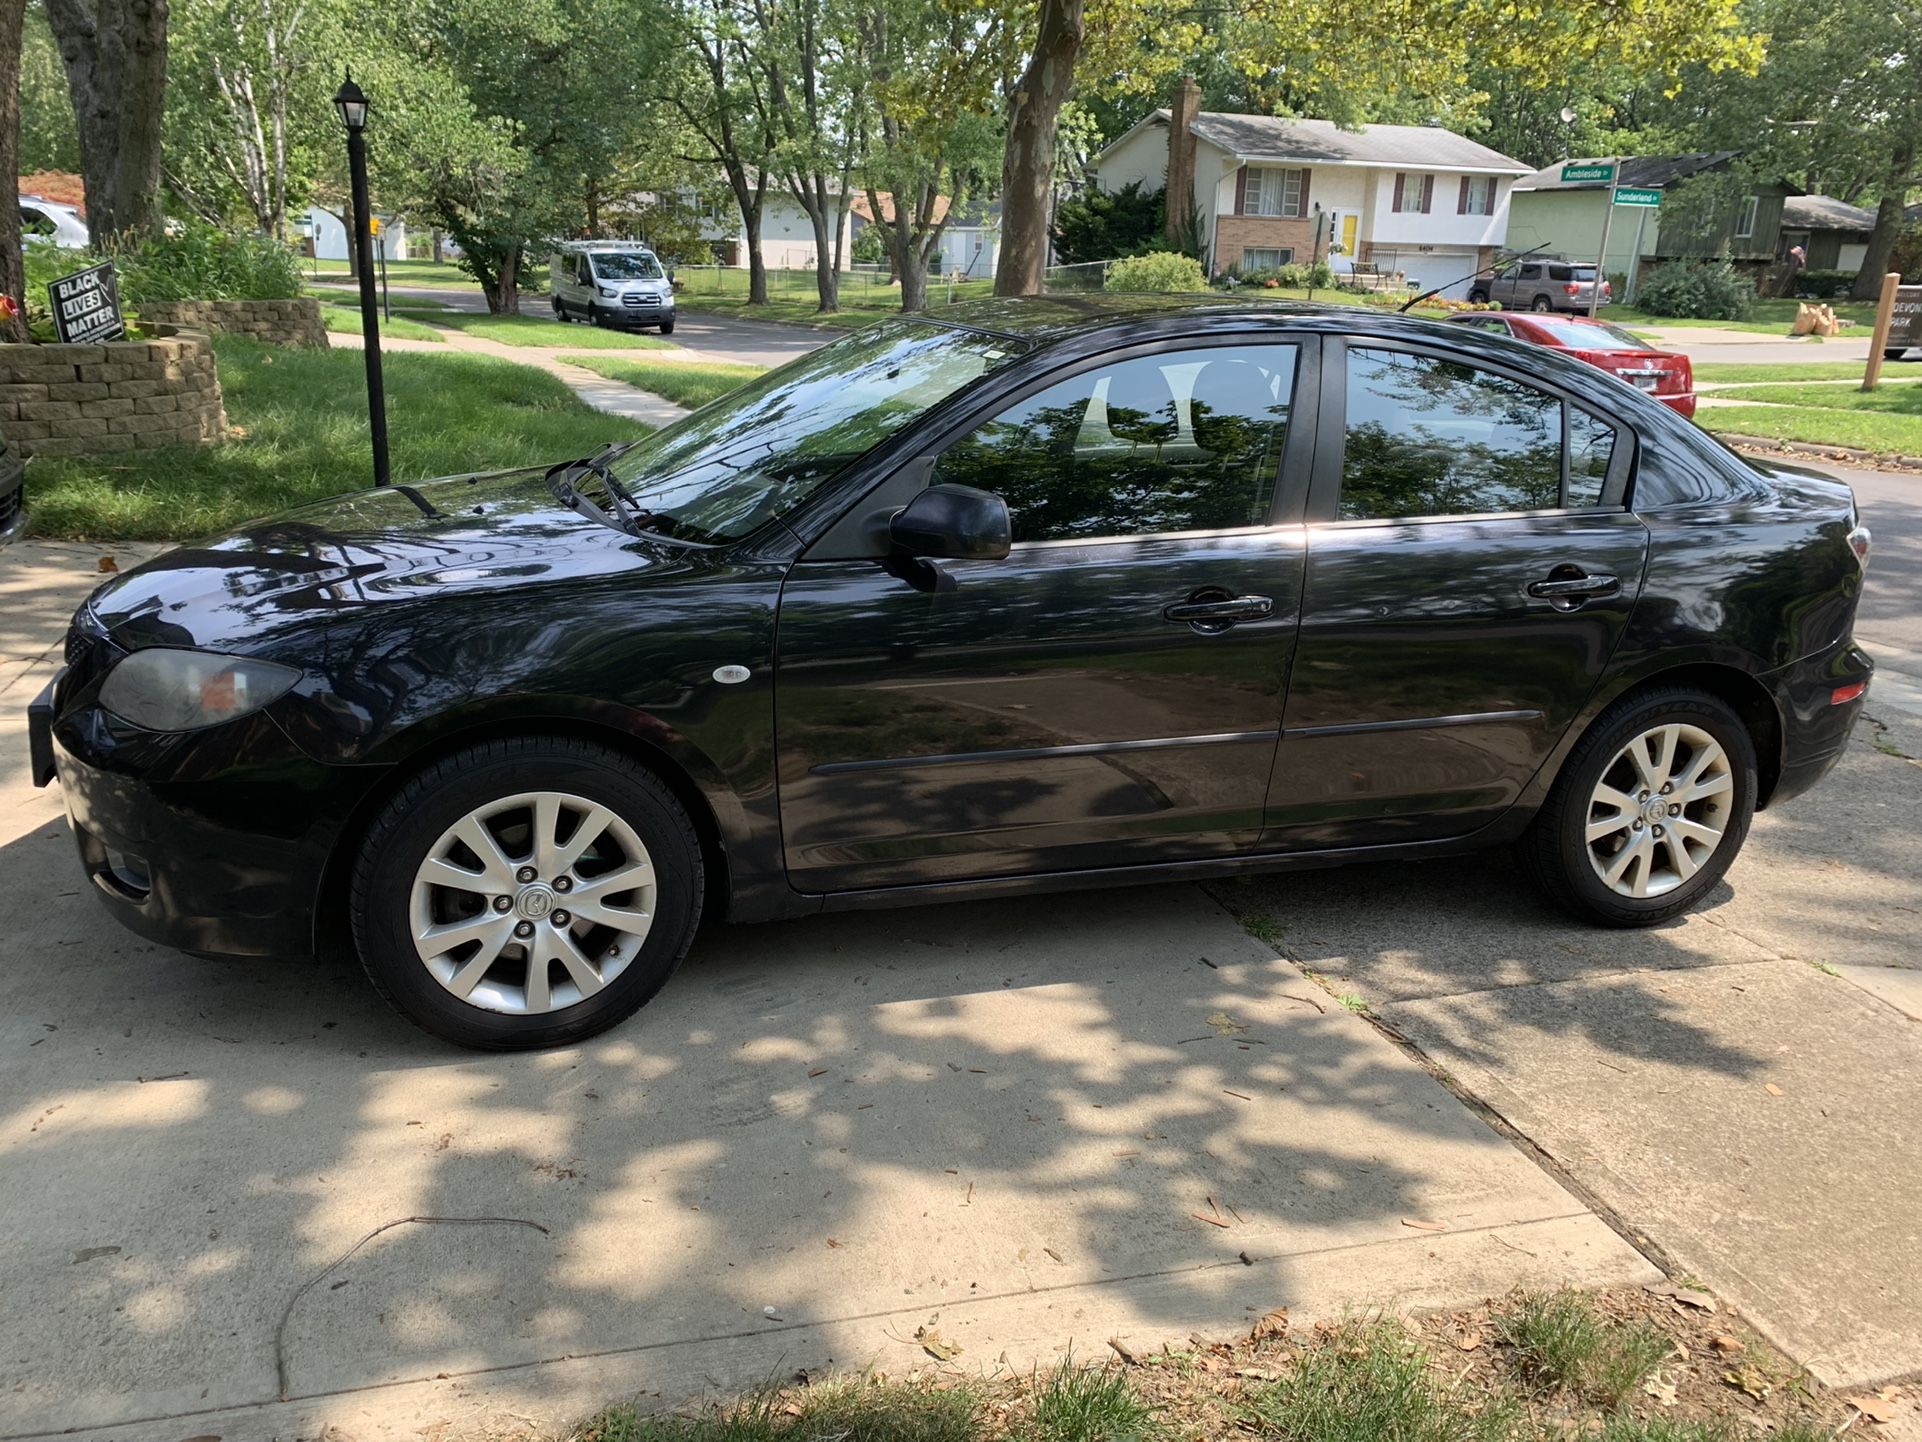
x=611, y=283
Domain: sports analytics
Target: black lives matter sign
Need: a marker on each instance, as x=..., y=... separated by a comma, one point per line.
x=86, y=306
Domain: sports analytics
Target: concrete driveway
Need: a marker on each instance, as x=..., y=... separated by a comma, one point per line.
x=1024, y=1127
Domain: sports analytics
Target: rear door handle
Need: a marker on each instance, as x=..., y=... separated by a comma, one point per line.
x=1217, y=612
x=1566, y=587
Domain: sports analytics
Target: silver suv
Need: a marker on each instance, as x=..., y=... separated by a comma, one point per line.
x=1541, y=283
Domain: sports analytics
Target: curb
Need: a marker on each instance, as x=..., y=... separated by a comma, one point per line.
x=1874, y=459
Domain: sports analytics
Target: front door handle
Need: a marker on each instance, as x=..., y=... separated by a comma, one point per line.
x=1568, y=586
x=1215, y=610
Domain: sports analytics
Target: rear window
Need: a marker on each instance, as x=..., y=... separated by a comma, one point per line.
x=1590, y=335
x=1571, y=272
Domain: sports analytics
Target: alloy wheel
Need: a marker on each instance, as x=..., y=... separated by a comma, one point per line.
x=532, y=902
x=1659, y=811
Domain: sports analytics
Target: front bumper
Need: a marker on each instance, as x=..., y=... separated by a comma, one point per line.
x=213, y=842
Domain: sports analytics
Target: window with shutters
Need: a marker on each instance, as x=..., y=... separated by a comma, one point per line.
x=1477, y=195
x=1274, y=191
x=1414, y=194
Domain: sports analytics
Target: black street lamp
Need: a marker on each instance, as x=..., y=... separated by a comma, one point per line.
x=353, y=114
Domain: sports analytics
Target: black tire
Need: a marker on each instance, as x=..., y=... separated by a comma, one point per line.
x=560, y=311
x=1555, y=852
x=438, y=797
x=1894, y=355
x=1541, y=302
x=1478, y=296
x=667, y=327
x=597, y=316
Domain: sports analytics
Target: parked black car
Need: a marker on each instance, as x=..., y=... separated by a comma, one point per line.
x=1031, y=594
x=13, y=493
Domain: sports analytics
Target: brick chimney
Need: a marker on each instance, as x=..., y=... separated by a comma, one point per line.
x=1185, y=106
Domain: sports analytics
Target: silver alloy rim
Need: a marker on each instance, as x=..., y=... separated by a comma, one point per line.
x=532, y=903
x=1660, y=811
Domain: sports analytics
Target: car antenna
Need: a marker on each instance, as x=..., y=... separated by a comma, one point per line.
x=1492, y=265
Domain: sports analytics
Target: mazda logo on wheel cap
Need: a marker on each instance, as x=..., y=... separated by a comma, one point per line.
x=534, y=902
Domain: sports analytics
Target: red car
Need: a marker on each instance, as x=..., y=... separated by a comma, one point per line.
x=1663, y=374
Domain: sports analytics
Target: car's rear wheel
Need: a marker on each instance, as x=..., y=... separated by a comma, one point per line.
x=526, y=892
x=1542, y=302
x=1478, y=296
x=1649, y=811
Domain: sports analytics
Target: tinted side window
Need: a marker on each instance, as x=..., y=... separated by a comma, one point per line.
x=1531, y=272
x=1591, y=446
x=1189, y=441
x=1431, y=437
x=1559, y=272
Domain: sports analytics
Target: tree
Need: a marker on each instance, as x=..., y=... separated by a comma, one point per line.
x=1345, y=64
x=115, y=54
x=249, y=118
x=932, y=71
x=13, y=270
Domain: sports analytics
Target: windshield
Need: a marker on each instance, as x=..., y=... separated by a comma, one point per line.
x=625, y=265
x=1589, y=334
x=757, y=453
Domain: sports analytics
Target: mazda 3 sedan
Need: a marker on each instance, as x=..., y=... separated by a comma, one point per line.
x=1030, y=594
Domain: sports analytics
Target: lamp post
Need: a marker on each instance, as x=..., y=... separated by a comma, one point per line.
x=352, y=105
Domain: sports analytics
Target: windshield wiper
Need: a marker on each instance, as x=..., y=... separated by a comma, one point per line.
x=600, y=464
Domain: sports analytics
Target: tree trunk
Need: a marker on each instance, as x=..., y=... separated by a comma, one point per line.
x=1027, y=163
x=593, y=210
x=1888, y=222
x=813, y=198
x=13, y=272
x=115, y=53
x=914, y=285
x=505, y=297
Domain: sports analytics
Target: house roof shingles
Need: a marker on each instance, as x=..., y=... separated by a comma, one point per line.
x=1322, y=142
x=1825, y=212
x=1646, y=172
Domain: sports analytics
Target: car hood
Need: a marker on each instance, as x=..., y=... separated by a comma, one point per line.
x=401, y=544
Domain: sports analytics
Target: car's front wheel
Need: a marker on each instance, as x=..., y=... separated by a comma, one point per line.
x=1649, y=811
x=526, y=892
x=667, y=327
x=1542, y=302
x=1478, y=296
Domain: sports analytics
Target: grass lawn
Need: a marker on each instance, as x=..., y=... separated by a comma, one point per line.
x=1770, y=317
x=793, y=298
x=1618, y=1367
x=541, y=331
x=687, y=383
x=300, y=418
x=408, y=272
x=346, y=320
x=1797, y=369
x=1888, y=420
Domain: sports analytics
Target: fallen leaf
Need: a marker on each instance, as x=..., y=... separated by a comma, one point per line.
x=1257, y=1374
x=819, y=1071
x=1772, y=1089
x=1751, y=1381
x=1661, y=1388
x=1725, y=1344
x=1223, y=1024
x=1701, y=1301
x=834, y=1242
x=1053, y=1253
x=87, y=1254
x=1121, y=1350
x=935, y=1345
x=1876, y=1409
x=1271, y=1324
x=1422, y=1226
x=108, y=565
x=1468, y=1340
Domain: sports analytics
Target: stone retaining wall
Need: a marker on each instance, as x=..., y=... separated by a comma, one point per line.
x=276, y=322
x=83, y=400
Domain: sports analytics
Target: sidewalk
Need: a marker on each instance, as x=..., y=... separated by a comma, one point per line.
x=598, y=391
x=1027, y=1125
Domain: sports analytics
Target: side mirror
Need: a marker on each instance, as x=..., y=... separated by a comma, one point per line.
x=952, y=523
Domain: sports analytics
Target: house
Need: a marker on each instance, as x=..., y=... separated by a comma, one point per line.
x=327, y=233
x=1565, y=216
x=1264, y=192
x=787, y=234
x=1833, y=234
x=970, y=246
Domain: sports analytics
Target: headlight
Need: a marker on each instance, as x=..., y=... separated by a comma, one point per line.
x=167, y=690
x=609, y=291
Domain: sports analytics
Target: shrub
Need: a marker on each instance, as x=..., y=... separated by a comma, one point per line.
x=1163, y=270
x=1109, y=224
x=1824, y=284
x=203, y=262
x=1698, y=290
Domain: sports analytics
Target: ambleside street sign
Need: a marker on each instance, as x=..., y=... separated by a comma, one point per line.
x=86, y=306
x=1575, y=174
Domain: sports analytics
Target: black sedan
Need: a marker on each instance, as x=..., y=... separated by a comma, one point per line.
x=1030, y=594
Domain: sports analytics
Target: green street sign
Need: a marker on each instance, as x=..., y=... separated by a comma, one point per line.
x=1574, y=173
x=1650, y=198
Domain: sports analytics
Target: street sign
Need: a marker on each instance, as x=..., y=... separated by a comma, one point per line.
x=86, y=306
x=1626, y=196
x=1905, y=328
x=1573, y=174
